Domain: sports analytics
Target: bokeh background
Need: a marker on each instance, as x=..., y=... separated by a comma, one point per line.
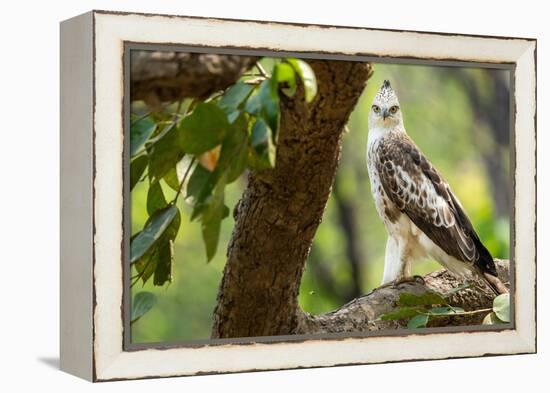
x=460, y=119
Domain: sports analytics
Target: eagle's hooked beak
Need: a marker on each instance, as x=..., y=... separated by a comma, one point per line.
x=385, y=114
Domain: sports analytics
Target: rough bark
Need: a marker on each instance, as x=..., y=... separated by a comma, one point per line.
x=361, y=314
x=280, y=210
x=158, y=76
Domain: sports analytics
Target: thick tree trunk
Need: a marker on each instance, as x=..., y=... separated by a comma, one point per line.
x=280, y=210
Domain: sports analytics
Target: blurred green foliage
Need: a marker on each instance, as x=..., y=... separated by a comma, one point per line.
x=450, y=128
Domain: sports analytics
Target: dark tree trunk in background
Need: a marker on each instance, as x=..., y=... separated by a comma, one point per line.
x=320, y=266
x=347, y=214
x=281, y=209
x=491, y=106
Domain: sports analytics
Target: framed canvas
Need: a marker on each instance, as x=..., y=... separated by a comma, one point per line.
x=246, y=195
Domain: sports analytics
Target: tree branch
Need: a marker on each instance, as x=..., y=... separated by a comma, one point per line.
x=361, y=314
x=158, y=76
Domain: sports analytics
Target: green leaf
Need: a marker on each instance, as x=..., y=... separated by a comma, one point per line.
x=441, y=311
x=137, y=167
x=165, y=253
x=253, y=104
x=260, y=137
x=265, y=103
x=164, y=154
x=172, y=230
x=418, y=321
x=238, y=165
x=230, y=165
x=263, y=154
x=171, y=179
x=401, y=313
x=232, y=116
x=234, y=152
x=141, y=303
x=198, y=209
x=425, y=299
x=152, y=232
x=159, y=258
x=211, y=218
x=174, y=176
x=225, y=212
x=146, y=265
x=155, y=198
x=286, y=78
x=501, y=307
x=197, y=181
x=205, y=195
x=492, y=319
x=235, y=96
x=140, y=131
x=211, y=224
x=203, y=129
x=269, y=98
x=307, y=76
x=163, y=268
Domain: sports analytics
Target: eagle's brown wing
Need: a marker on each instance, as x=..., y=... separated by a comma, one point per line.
x=418, y=190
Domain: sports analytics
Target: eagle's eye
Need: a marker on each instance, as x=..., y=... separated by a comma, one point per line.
x=394, y=109
x=376, y=108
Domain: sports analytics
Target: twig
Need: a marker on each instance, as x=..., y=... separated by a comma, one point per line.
x=183, y=180
x=251, y=74
x=262, y=70
x=140, y=275
x=457, y=313
x=255, y=81
x=162, y=107
x=215, y=95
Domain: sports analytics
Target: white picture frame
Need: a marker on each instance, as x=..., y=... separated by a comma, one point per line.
x=92, y=161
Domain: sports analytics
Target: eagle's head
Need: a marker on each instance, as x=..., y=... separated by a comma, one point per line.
x=385, y=111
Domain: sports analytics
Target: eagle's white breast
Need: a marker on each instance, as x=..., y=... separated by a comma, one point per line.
x=406, y=241
x=401, y=227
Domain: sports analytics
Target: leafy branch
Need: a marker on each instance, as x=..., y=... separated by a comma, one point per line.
x=196, y=151
x=419, y=309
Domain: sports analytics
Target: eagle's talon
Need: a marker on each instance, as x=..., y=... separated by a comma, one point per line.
x=419, y=279
x=403, y=280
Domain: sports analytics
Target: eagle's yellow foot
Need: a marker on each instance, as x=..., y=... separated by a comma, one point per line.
x=403, y=280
